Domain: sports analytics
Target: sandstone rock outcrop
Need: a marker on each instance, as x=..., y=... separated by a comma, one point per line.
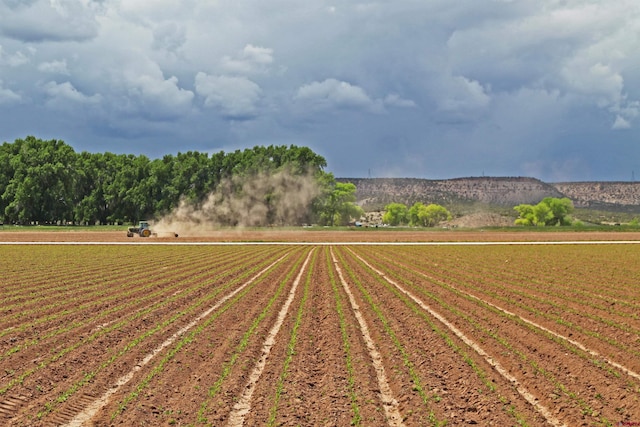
x=597, y=194
x=487, y=190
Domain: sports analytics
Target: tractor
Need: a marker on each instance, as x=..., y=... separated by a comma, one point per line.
x=142, y=230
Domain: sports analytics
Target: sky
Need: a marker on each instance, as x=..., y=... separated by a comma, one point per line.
x=405, y=88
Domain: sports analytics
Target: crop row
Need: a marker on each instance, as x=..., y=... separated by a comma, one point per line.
x=386, y=353
x=535, y=294
x=340, y=335
x=105, y=339
x=588, y=378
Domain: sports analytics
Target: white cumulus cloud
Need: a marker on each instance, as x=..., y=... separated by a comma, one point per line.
x=49, y=20
x=394, y=100
x=7, y=96
x=332, y=93
x=461, y=93
x=597, y=80
x=252, y=59
x=159, y=97
x=621, y=123
x=15, y=59
x=169, y=35
x=67, y=91
x=54, y=67
x=234, y=97
x=508, y=82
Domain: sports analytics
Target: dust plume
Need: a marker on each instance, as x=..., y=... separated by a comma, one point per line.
x=280, y=198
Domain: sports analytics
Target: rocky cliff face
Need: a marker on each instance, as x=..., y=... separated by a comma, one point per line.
x=375, y=193
x=598, y=194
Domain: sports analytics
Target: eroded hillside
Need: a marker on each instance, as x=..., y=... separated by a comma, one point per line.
x=377, y=192
x=598, y=194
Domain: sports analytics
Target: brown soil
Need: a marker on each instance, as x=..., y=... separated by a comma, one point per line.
x=579, y=387
x=186, y=326
x=315, y=235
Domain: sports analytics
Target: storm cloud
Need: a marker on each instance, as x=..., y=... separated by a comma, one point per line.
x=410, y=88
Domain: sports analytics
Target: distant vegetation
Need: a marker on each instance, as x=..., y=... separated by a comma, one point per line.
x=595, y=203
x=47, y=182
x=550, y=211
x=417, y=215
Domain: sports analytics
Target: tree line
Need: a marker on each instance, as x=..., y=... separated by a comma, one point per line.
x=47, y=182
x=418, y=215
x=550, y=211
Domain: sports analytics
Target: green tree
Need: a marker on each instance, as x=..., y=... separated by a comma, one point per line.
x=561, y=210
x=259, y=159
x=526, y=215
x=41, y=188
x=337, y=205
x=6, y=175
x=395, y=214
x=188, y=175
x=542, y=214
x=139, y=203
x=47, y=182
x=550, y=211
x=128, y=188
x=165, y=194
x=320, y=207
x=90, y=204
x=427, y=216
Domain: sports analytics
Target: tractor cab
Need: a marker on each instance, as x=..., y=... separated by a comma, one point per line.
x=143, y=230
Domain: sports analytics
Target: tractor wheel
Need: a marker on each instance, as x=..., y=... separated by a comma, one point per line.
x=129, y=234
x=146, y=232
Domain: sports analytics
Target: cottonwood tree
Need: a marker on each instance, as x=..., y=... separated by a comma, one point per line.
x=41, y=186
x=396, y=214
x=550, y=211
x=336, y=206
x=427, y=216
x=48, y=182
x=418, y=215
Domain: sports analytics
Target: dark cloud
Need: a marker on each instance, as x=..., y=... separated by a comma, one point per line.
x=38, y=21
x=430, y=89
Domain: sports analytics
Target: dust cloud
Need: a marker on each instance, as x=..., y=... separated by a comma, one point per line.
x=280, y=198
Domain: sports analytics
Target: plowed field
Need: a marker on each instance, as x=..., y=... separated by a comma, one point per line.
x=332, y=334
